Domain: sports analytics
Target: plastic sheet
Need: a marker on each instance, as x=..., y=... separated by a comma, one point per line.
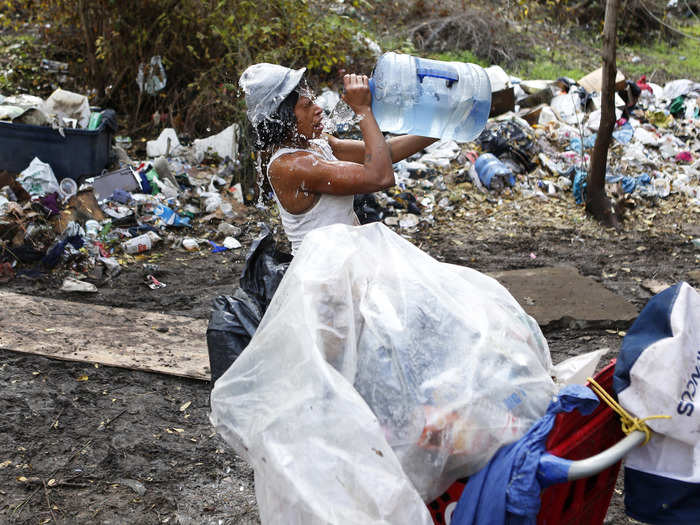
x=375, y=365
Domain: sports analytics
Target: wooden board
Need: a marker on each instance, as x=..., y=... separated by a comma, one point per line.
x=121, y=337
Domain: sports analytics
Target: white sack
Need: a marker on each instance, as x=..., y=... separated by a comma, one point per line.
x=374, y=365
x=69, y=105
x=658, y=372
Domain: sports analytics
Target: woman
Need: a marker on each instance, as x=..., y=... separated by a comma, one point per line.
x=314, y=176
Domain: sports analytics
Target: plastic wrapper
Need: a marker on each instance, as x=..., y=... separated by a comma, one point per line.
x=376, y=378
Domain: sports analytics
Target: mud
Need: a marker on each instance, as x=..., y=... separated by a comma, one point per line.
x=87, y=444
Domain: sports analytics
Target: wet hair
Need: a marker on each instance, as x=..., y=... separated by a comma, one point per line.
x=278, y=127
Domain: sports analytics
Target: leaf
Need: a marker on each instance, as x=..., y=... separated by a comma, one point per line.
x=83, y=377
x=185, y=406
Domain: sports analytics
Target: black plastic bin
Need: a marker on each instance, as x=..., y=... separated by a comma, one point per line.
x=82, y=153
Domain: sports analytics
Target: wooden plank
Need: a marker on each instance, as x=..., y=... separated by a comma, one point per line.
x=134, y=339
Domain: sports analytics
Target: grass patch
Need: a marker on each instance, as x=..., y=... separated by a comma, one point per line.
x=661, y=61
x=549, y=64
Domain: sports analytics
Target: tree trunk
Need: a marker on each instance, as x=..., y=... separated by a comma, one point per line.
x=597, y=202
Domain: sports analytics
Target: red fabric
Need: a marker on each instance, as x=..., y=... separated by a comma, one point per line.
x=642, y=83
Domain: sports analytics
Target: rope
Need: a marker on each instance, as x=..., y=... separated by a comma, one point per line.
x=629, y=423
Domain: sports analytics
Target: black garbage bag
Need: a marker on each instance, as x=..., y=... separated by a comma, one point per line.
x=510, y=140
x=235, y=318
x=368, y=209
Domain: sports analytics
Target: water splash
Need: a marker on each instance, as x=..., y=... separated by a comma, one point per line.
x=341, y=117
x=258, y=168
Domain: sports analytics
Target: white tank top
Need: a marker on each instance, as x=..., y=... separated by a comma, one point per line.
x=329, y=209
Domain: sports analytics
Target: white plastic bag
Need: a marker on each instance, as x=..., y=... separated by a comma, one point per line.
x=38, y=179
x=374, y=365
x=576, y=370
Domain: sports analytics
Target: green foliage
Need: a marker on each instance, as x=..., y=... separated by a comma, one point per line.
x=204, y=44
x=461, y=56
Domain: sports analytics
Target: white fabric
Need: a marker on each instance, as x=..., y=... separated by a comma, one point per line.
x=330, y=209
x=664, y=380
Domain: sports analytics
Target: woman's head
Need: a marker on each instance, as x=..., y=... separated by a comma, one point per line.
x=280, y=108
x=296, y=120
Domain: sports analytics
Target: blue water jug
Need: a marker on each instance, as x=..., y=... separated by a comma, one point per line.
x=446, y=100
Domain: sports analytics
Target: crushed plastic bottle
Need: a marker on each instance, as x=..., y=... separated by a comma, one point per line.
x=446, y=100
x=493, y=173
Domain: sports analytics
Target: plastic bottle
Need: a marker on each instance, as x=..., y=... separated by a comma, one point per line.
x=446, y=100
x=493, y=173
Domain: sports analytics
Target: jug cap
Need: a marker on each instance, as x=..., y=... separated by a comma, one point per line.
x=265, y=87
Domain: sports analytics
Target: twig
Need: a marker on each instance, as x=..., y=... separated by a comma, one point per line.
x=48, y=501
x=55, y=422
x=19, y=507
x=110, y=421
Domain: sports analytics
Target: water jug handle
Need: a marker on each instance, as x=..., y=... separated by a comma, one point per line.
x=450, y=76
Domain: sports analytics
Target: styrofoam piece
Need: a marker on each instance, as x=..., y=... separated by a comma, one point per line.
x=224, y=144
x=166, y=144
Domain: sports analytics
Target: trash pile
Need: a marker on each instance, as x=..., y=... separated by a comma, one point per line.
x=95, y=228
x=63, y=109
x=541, y=147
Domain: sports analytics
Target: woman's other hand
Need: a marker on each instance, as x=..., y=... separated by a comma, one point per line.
x=357, y=94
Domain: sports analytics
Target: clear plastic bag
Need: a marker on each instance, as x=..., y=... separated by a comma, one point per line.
x=376, y=376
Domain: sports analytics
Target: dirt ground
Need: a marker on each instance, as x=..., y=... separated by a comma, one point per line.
x=81, y=443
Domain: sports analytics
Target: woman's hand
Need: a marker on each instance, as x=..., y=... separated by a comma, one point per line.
x=357, y=94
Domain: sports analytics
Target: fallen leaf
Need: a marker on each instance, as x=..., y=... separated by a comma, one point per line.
x=5, y=464
x=83, y=377
x=51, y=482
x=185, y=406
x=179, y=430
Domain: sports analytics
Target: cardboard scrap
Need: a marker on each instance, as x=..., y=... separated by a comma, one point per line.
x=593, y=81
x=110, y=336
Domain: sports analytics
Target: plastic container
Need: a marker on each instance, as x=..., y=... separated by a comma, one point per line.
x=67, y=188
x=81, y=153
x=142, y=243
x=446, y=100
x=493, y=173
x=92, y=228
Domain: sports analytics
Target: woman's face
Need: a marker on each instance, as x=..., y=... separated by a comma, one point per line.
x=309, y=117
